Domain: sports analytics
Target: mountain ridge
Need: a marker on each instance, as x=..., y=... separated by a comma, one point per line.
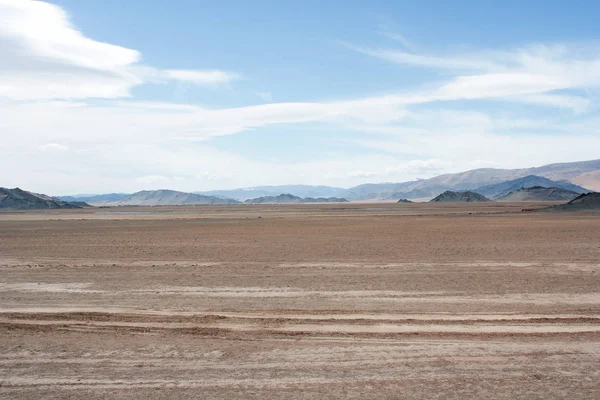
x=561, y=174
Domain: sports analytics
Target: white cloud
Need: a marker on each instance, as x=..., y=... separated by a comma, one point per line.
x=53, y=147
x=167, y=122
x=45, y=57
x=44, y=30
x=198, y=77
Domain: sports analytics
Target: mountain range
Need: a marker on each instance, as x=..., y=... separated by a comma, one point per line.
x=584, y=173
x=579, y=177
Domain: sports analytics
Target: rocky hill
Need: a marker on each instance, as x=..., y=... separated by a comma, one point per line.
x=502, y=189
x=450, y=196
x=168, y=198
x=290, y=198
x=19, y=199
x=583, y=202
x=538, y=193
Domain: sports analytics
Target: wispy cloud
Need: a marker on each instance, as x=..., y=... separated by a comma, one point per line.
x=527, y=75
x=385, y=32
x=422, y=60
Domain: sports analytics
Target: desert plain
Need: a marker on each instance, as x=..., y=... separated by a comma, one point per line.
x=346, y=301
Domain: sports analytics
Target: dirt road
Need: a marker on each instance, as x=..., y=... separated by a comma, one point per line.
x=354, y=301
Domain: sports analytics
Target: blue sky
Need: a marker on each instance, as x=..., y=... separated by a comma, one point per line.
x=198, y=95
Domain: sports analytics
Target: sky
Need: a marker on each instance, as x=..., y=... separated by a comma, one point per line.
x=120, y=96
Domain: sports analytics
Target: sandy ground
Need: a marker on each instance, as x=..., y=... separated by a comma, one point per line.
x=380, y=301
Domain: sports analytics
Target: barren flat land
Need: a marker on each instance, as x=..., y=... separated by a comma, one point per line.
x=352, y=301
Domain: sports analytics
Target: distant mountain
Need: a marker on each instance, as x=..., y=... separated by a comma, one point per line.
x=583, y=202
x=168, y=198
x=290, y=198
x=324, y=200
x=585, y=173
x=97, y=199
x=502, y=189
x=450, y=196
x=18, y=199
x=404, y=201
x=264, y=191
x=538, y=193
x=377, y=191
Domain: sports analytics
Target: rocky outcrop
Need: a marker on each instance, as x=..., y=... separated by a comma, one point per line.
x=450, y=196
x=539, y=193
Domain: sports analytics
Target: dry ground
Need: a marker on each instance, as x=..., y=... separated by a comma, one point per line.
x=382, y=301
